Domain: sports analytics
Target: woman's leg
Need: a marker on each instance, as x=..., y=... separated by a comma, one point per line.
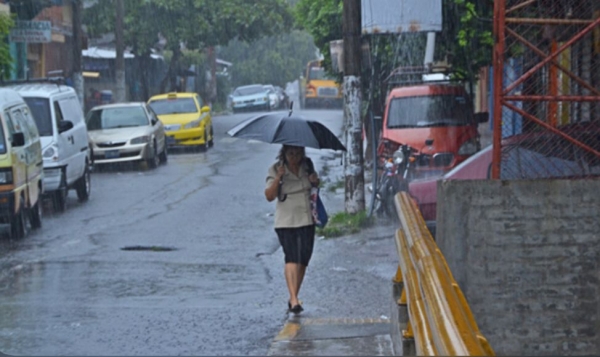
x=301, y=271
x=293, y=280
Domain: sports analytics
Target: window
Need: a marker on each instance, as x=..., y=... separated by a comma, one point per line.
x=111, y=118
x=429, y=111
x=174, y=106
x=70, y=110
x=20, y=124
x=40, y=110
x=30, y=123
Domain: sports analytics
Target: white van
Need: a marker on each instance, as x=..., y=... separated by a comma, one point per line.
x=63, y=133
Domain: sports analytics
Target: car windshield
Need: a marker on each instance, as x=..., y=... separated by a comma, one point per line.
x=429, y=111
x=317, y=73
x=248, y=91
x=120, y=117
x=40, y=108
x=174, y=106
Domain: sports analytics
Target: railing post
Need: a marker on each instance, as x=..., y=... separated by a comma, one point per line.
x=408, y=342
x=399, y=312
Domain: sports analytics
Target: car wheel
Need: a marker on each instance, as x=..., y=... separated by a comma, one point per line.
x=59, y=197
x=211, y=142
x=83, y=186
x=153, y=161
x=35, y=216
x=164, y=155
x=17, y=225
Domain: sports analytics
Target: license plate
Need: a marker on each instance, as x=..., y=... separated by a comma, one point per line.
x=111, y=154
x=171, y=140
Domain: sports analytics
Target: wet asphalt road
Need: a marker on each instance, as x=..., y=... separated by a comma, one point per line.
x=72, y=289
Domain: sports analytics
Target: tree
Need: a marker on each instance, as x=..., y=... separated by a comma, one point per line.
x=323, y=20
x=275, y=60
x=6, y=23
x=466, y=40
x=192, y=24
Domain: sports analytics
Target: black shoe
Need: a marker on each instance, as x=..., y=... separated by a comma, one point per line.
x=297, y=309
x=289, y=305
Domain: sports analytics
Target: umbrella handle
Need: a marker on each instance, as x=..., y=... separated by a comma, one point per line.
x=291, y=108
x=279, y=197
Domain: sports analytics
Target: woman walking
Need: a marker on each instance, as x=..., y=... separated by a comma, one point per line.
x=289, y=180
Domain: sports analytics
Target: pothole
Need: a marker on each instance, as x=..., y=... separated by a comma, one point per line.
x=150, y=248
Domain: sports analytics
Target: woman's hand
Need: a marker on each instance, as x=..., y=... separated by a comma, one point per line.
x=280, y=172
x=314, y=179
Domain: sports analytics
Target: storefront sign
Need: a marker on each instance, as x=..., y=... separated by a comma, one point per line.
x=31, y=32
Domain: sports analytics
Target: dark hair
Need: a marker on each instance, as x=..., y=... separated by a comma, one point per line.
x=284, y=149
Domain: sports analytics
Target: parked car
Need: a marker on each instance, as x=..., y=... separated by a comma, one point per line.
x=64, y=138
x=436, y=121
x=524, y=156
x=250, y=97
x=284, y=100
x=274, y=101
x=187, y=121
x=21, y=171
x=126, y=132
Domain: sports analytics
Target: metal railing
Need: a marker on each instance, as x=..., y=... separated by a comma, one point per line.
x=440, y=321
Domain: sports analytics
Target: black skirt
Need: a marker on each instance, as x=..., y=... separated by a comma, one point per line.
x=297, y=243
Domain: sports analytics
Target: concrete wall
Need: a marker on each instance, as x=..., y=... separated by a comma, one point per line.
x=526, y=255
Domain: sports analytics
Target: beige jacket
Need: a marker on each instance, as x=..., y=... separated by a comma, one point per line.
x=295, y=210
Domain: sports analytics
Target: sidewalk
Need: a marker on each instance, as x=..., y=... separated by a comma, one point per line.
x=304, y=336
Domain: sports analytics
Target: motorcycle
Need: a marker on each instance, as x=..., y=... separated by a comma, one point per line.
x=395, y=174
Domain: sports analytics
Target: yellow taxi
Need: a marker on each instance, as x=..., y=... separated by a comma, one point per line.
x=187, y=121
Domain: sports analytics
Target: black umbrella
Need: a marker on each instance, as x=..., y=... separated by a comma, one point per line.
x=281, y=128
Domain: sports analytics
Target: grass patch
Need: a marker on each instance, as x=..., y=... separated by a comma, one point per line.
x=343, y=223
x=334, y=186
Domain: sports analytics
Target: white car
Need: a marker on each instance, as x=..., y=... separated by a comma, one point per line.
x=250, y=97
x=126, y=132
x=274, y=100
x=64, y=137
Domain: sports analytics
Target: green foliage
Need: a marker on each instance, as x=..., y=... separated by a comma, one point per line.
x=271, y=60
x=6, y=23
x=323, y=20
x=336, y=185
x=343, y=223
x=194, y=23
x=466, y=40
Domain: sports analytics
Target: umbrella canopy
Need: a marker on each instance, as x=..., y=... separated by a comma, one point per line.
x=279, y=128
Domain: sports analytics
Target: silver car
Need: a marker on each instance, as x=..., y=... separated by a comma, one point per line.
x=126, y=132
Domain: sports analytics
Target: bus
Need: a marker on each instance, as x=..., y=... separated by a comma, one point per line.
x=321, y=91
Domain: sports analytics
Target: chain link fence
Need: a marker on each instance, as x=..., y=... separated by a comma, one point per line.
x=546, y=89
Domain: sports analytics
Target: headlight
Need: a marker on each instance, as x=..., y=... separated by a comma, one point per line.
x=50, y=152
x=140, y=140
x=192, y=124
x=469, y=148
x=6, y=176
x=398, y=157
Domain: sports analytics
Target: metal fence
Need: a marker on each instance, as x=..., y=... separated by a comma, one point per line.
x=546, y=89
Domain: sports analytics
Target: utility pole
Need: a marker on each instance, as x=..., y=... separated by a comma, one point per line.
x=353, y=161
x=120, y=59
x=76, y=9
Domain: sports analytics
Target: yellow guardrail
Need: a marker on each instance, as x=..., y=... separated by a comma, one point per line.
x=440, y=319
